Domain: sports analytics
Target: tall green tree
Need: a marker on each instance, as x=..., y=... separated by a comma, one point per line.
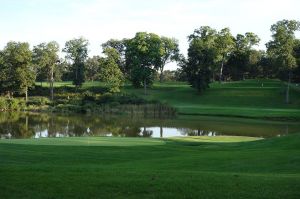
x=45, y=58
x=201, y=57
x=170, y=52
x=110, y=73
x=77, y=53
x=2, y=72
x=238, y=61
x=281, y=48
x=143, y=58
x=224, y=45
x=120, y=47
x=296, y=72
x=92, y=67
x=18, y=72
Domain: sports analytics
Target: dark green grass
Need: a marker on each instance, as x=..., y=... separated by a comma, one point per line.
x=150, y=168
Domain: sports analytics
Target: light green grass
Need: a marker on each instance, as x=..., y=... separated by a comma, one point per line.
x=115, y=141
x=151, y=168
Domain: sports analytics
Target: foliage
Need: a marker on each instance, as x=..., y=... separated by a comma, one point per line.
x=283, y=43
x=92, y=68
x=12, y=104
x=281, y=48
x=170, y=52
x=201, y=57
x=120, y=48
x=241, y=58
x=77, y=53
x=224, y=45
x=143, y=57
x=110, y=72
x=45, y=57
x=17, y=74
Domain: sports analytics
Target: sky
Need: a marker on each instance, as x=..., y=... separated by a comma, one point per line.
x=37, y=21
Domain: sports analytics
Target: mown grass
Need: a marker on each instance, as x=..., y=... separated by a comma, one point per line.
x=151, y=168
x=249, y=98
x=261, y=98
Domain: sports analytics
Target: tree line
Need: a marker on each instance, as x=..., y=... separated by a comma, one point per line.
x=218, y=55
x=212, y=56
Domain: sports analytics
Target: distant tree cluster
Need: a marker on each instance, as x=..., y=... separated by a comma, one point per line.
x=218, y=55
x=136, y=59
x=212, y=56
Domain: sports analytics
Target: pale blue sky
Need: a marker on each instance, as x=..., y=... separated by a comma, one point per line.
x=37, y=21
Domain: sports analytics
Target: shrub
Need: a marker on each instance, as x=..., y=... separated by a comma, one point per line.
x=88, y=96
x=105, y=98
x=16, y=104
x=3, y=104
x=38, y=101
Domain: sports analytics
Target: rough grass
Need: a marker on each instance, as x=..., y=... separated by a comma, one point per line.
x=151, y=168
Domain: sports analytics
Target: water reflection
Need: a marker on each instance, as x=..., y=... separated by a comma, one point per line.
x=34, y=125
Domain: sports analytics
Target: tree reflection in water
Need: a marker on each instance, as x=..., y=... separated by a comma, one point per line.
x=36, y=125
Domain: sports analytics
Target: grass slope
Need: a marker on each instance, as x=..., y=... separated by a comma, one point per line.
x=249, y=98
x=150, y=168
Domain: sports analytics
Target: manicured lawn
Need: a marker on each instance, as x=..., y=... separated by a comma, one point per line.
x=193, y=167
x=249, y=98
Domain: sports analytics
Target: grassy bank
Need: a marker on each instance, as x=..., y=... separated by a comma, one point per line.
x=99, y=167
x=249, y=98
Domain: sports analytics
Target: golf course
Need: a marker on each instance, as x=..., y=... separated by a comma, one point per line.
x=195, y=167
x=225, y=166
x=182, y=99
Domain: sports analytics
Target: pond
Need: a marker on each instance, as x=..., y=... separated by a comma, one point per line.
x=40, y=125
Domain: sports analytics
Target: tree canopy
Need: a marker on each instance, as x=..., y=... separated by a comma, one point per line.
x=77, y=53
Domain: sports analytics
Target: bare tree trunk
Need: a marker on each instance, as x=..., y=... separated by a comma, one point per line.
x=51, y=85
x=161, y=76
x=161, y=131
x=287, y=97
x=221, y=70
x=52, y=91
x=26, y=123
x=145, y=86
x=26, y=94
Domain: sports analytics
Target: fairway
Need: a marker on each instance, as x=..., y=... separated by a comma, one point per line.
x=150, y=168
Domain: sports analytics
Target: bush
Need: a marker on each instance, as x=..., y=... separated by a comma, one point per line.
x=88, y=96
x=16, y=104
x=131, y=99
x=3, y=104
x=38, y=101
x=105, y=98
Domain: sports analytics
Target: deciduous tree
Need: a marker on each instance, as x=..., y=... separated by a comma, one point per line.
x=110, y=72
x=201, y=57
x=45, y=58
x=143, y=57
x=281, y=48
x=18, y=72
x=77, y=53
